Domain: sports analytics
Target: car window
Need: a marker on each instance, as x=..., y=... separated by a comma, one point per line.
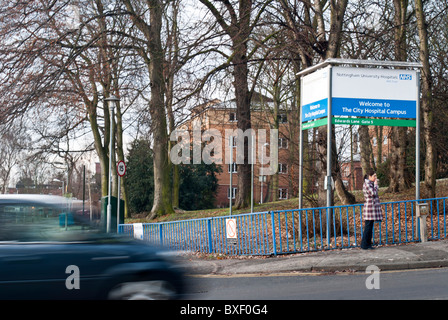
x=41, y=222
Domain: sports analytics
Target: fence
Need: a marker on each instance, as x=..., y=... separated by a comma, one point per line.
x=294, y=231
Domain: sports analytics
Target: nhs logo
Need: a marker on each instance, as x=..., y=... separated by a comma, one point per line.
x=404, y=76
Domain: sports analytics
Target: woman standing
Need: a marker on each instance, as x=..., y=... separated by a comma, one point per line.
x=372, y=208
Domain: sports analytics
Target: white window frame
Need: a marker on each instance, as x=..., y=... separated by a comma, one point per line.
x=234, y=193
x=283, y=143
x=282, y=168
x=234, y=167
x=282, y=191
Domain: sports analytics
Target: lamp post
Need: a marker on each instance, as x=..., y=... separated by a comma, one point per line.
x=64, y=187
x=263, y=147
x=112, y=101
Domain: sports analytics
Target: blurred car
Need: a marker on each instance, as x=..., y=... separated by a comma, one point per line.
x=47, y=251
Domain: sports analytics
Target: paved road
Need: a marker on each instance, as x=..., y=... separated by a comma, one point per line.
x=410, y=284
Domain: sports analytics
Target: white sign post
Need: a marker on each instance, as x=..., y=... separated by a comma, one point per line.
x=121, y=170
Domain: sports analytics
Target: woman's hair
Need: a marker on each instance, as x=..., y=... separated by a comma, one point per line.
x=370, y=173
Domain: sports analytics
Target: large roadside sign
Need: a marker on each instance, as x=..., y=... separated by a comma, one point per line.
x=380, y=93
x=360, y=96
x=341, y=92
x=315, y=96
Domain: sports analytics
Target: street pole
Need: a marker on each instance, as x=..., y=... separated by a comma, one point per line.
x=83, y=188
x=263, y=148
x=231, y=173
x=301, y=149
x=111, y=101
x=118, y=201
x=252, y=177
x=417, y=140
x=329, y=158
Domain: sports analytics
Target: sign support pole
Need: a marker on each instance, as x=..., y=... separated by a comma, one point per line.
x=329, y=158
x=301, y=148
x=417, y=140
x=121, y=170
x=231, y=175
x=118, y=202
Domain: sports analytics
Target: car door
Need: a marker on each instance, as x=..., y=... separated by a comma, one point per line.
x=42, y=259
x=55, y=270
x=25, y=271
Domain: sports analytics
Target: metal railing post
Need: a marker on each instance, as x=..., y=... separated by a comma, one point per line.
x=274, y=244
x=209, y=232
x=161, y=233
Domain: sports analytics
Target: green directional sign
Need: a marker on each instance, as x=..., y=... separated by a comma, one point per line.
x=359, y=122
x=314, y=123
x=374, y=122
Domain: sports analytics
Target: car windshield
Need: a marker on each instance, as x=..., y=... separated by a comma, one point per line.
x=23, y=219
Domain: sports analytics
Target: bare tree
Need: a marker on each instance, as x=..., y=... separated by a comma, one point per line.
x=238, y=21
x=12, y=144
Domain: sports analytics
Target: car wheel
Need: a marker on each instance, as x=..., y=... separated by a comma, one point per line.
x=143, y=290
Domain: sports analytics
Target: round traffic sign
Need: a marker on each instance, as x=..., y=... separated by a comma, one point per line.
x=121, y=168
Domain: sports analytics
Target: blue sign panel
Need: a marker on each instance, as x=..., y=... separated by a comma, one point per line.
x=381, y=108
x=315, y=110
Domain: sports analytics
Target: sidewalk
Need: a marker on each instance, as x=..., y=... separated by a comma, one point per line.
x=432, y=254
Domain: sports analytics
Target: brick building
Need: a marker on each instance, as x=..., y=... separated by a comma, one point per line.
x=217, y=116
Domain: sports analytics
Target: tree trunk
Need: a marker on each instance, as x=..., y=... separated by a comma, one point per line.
x=426, y=104
x=240, y=37
x=331, y=50
x=172, y=61
x=366, y=149
x=162, y=185
x=399, y=180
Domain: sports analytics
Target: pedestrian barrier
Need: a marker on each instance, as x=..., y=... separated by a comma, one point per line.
x=294, y=231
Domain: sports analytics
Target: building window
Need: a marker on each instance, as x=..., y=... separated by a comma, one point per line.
x=282, y=193
x=347, y=172
x=233, y=193
x=282, y=168
x=232, y=117
x=282, y=118
x=282, y=143
x=234, y=167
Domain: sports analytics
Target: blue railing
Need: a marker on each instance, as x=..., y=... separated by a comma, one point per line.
x=294, y=231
